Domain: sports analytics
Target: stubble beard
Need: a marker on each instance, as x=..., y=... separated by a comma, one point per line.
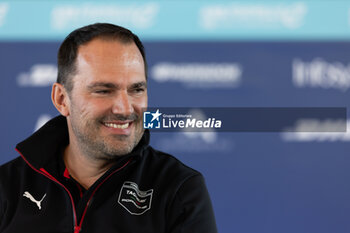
x=108, y=147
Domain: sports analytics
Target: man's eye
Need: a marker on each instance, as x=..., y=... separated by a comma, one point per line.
x=138, y=90
x=102, y=91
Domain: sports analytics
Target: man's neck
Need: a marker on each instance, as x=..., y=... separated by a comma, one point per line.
x=83, y=169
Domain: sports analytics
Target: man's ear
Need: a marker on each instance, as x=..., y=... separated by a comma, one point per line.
x=60, y=99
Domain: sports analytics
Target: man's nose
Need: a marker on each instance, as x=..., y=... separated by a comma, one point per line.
x=122, y=104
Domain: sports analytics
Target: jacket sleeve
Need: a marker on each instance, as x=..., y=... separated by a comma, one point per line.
x=191, y=210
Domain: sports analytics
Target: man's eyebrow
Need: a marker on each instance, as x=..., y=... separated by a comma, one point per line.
x=101, y=84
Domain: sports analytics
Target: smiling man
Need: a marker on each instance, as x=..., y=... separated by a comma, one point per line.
x=91, y=168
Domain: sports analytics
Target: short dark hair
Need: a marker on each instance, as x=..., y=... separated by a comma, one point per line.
x=68, y=50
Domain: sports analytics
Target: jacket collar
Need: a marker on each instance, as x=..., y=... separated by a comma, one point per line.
x=49, y=141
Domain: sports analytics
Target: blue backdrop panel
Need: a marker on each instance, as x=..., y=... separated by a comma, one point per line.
x=259, y=182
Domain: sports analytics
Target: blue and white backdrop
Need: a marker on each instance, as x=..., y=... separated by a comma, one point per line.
x=212, y=54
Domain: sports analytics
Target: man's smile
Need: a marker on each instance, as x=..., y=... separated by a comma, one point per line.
x=117, y=125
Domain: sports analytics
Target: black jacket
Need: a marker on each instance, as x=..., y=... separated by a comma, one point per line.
x=146, y=191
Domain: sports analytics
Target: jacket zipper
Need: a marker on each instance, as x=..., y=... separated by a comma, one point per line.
x=93, y=193
x=42, y=171
x=45, y=173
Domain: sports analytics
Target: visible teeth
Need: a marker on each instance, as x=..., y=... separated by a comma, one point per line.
x=117, y=126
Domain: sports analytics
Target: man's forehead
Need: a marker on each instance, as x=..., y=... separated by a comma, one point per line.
x=103, y=46
x=109, y=54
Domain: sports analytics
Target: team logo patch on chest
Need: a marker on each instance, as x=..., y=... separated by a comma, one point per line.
x=134, y=200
